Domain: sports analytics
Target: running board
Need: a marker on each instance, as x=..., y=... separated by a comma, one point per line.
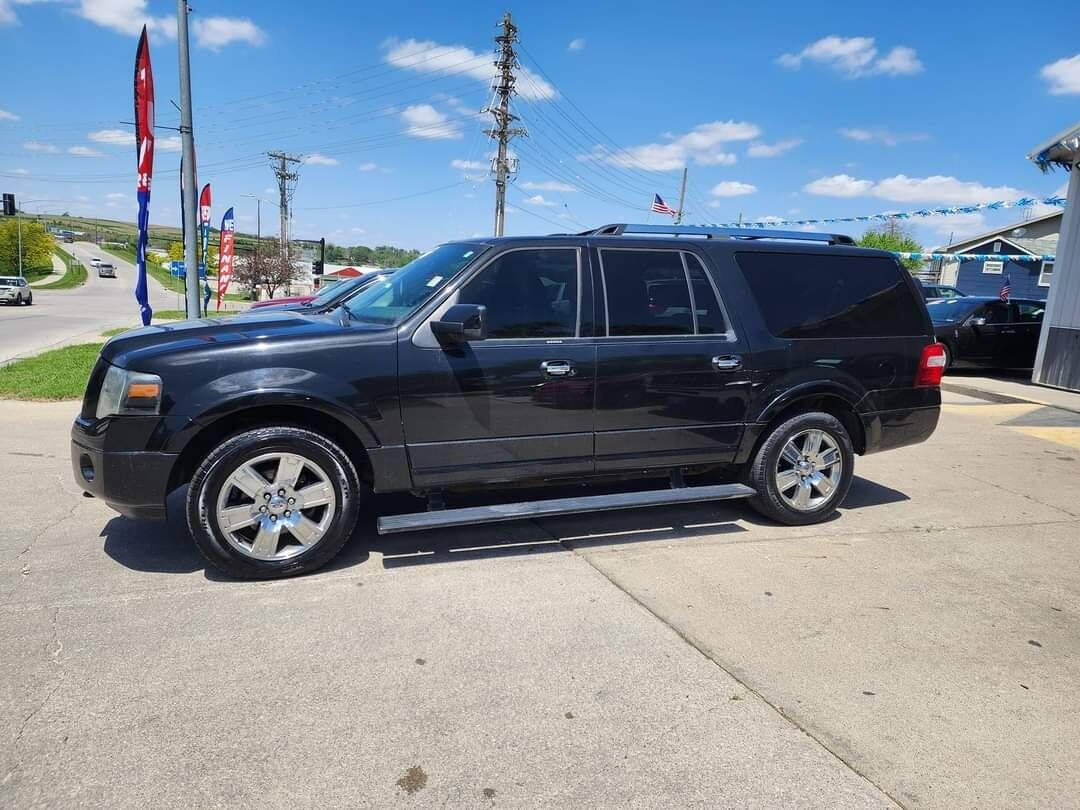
x=526, y=510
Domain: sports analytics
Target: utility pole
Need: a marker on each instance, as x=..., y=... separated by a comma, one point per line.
x=682, y=198
x=18, y=227
x=502, y=131
x=187, y=137
x=286, y=179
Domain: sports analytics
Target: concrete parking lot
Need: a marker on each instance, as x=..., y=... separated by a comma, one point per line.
x=920, y=650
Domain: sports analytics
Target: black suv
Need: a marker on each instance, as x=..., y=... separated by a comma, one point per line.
x=769, y=358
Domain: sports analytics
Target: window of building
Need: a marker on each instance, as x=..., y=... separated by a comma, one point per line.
x=1046, y=272
x=997, y=247
x=993, y=267
x=528, y=294
x=808, y=295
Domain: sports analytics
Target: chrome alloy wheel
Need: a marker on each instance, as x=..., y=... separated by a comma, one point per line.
x=276, y=506
x=808, y=470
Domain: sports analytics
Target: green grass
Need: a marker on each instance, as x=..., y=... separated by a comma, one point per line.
x=74, y=276
x=57, y=374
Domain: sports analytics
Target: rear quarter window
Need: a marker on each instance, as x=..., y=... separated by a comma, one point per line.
x=803, y=295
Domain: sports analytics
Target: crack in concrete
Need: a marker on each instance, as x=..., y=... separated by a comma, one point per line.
x=54, y=648
x=1023, y=495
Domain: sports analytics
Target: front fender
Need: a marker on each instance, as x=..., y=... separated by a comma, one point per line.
x=206, y=403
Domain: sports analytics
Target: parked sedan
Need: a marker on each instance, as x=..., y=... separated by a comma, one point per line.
x=328, y=297
x=985, y=331
x=930, y=291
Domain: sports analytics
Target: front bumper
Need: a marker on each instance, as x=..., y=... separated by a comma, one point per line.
x=135, y=484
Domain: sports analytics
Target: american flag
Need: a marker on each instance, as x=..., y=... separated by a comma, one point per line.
x=1006, y=290
x=661, y=207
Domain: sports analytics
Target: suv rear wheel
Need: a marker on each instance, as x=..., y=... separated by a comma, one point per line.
x=273, y=502
x=803, y=469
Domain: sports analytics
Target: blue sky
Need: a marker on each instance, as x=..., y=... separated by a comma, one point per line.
x=790, y=110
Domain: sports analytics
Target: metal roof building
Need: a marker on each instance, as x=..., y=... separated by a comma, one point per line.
x=1057, y=362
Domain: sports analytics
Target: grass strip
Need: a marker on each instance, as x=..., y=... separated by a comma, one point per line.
x=57, y=374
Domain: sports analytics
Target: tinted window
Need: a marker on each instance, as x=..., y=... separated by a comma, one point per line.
x=996, y=313
x=831, y=296
x=710, y=316
x=528, y=293
x=949, y=310
x=646, y=292
x=1031, y=313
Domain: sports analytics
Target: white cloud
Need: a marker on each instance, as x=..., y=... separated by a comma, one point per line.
x=115, y=195
x=315, y=159
x=732, y=188
x=8, y=116
x=1063, y=76
x=958, y=226
x=20, y=171
x=217, y=32
x=84, y=151
x=426, y=56
x=854, y=57
x=36, y=146
x=880, y=135
x=900, y=61
x=113, y=137
x=424, y=121
x=941, y=189
x=170, y=143
x=357, y=231
x=269, y=190
x=549, y=185
x=467, y=165
x=937, y=189
x=702, y=145
x=840, y=185
x=768, y=150
x=538, y=199
x=370, y=166
x=576, y=44
x=126, y=17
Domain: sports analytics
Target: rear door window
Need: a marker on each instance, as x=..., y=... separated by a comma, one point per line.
x=647, y=293
x=808, y=295
x=1031, y=313
x=707, y=309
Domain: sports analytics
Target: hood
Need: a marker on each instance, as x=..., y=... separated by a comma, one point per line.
x=141, y=348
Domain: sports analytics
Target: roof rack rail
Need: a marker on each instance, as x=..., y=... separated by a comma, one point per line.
x=709, y=232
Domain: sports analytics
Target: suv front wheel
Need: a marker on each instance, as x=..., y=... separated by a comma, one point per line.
x=803, y=469
x=273, y=502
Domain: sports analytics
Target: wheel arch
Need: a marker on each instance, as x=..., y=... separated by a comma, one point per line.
x=287, y=414
x=836, y=401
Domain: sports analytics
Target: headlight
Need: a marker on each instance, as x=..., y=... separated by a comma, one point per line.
x=129, y=393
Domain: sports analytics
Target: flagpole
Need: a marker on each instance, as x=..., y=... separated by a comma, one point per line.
x=682, y=198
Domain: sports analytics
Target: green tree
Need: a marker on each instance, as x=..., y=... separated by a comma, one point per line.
x=176, y=251
x=891, y=237
x=37, y=246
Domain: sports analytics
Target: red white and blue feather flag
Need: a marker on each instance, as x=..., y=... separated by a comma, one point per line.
x=144, y=145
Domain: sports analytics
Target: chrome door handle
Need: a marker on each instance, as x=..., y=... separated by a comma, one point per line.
x=727, y=362
x=557, y=368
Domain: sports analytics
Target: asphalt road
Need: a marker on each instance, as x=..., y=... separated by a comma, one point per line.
x=80, y=314
x=920, y=650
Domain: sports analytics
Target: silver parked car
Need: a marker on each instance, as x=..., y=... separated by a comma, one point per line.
x=15, y=290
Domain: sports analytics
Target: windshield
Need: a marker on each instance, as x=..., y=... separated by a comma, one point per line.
x=12, y=282
x=949, y=310
x=392, y=299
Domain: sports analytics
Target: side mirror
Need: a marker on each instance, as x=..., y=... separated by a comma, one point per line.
x=461, y=323
x=977, y=322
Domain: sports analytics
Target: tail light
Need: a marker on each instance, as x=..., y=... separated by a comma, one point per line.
x=931, y=366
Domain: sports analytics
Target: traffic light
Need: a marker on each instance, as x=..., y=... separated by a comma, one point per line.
x=317, y=264
x=9, y=205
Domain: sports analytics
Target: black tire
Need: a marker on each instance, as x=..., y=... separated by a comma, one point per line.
x=212, y=474
x=30, y=301
x=761, y=473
